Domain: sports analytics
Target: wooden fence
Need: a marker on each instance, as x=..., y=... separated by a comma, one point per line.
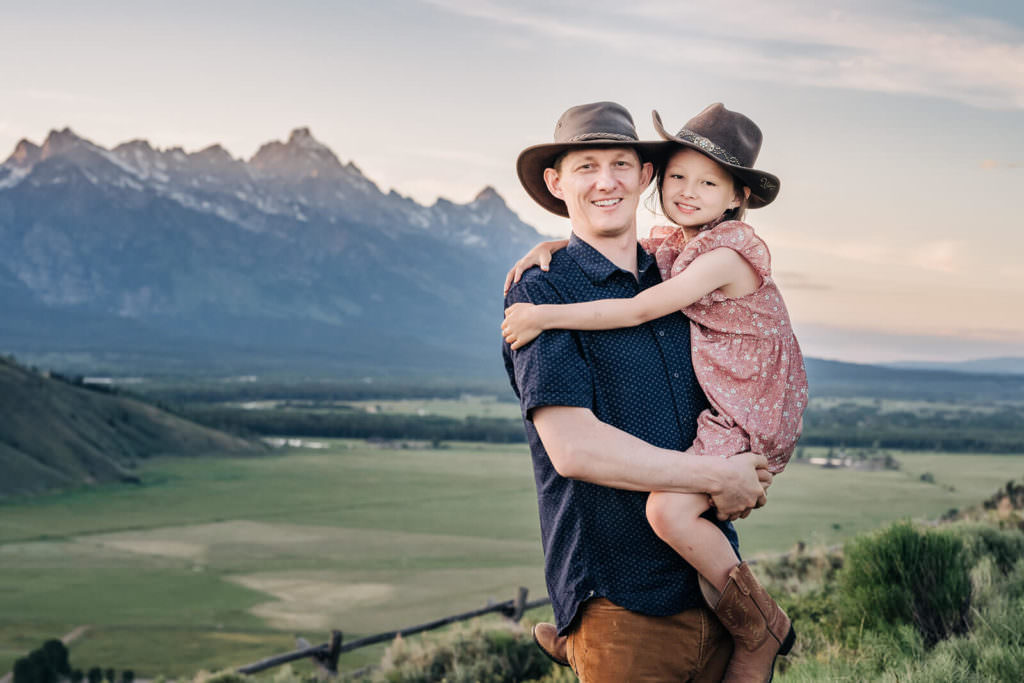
x=326, y=655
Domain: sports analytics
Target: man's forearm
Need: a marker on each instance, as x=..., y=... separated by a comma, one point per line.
x=582, y=447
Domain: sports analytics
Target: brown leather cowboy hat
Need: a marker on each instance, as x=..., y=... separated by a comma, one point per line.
x=731, y=139
x=601, y=124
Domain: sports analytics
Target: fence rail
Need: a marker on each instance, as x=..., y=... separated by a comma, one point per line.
x=326, y=655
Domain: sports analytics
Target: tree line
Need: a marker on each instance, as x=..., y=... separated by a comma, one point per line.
x=357, y=425
x=848, y=424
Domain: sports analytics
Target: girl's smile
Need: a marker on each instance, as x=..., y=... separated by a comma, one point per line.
x=696, y=189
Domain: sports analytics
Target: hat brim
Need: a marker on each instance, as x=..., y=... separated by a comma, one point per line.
x=764, y=186
x=533, y=160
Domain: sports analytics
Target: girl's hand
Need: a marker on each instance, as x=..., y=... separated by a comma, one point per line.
x=522, y=324
x=540, y=255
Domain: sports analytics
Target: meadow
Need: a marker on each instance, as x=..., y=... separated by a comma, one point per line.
x=218, y=562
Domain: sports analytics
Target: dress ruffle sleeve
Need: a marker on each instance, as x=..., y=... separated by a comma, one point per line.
x=735, y=235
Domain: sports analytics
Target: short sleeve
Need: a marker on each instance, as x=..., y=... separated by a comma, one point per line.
x=735, y=235
x=552, y=369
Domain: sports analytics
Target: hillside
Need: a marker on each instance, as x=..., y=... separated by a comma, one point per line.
x=54, y=434
x=836, y=378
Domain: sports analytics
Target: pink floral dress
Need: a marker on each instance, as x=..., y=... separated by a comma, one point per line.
x=744, y=353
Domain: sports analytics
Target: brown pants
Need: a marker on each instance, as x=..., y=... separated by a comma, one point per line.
x=610, y=644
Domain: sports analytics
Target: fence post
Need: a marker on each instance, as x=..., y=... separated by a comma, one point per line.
x=332, y=654
x=520, y=604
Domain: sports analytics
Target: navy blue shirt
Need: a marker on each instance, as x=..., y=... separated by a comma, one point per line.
x=597, y=541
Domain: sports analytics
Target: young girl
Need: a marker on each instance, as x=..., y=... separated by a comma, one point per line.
x=718, y=272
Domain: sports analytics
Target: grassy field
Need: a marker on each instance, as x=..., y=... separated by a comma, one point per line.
x=218, y=562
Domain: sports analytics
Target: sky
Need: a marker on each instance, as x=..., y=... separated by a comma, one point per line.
x=897, y=128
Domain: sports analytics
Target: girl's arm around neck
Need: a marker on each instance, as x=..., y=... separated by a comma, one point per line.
x=716, y=269
x=721, y=268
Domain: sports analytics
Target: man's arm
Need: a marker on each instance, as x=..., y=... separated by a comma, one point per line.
x=582, y=447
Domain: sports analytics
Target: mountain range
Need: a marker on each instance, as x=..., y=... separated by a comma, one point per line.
x=205, y=258
x=138, y=260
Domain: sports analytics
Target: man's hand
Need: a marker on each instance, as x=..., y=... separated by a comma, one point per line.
x=766, y=480
x=745, y=482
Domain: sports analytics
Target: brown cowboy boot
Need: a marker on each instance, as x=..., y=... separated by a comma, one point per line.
x=550, y=643
x=760, y=629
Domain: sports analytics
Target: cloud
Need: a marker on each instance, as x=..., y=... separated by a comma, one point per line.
x=995, y=334
x=870, y=46
x=792, y=280
x=991, y=164
x=53, y=96
x=941, y=256
x=461, y=156
x=1012, y=273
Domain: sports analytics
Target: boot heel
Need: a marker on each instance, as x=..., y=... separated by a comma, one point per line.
x=787, y=644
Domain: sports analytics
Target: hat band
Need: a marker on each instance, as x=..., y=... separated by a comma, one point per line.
x=601, y=136
x=708, y=146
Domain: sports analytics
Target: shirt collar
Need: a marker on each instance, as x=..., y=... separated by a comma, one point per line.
x=596, y=265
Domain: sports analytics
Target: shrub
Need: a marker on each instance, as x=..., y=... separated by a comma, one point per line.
x=44, y=671
x=25, y=671
x=497, y=654
x=1005, y=547
x=95, y=675
x=903, y=575
x=57, y=654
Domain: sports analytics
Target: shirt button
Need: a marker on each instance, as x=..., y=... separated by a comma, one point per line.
x=676, y=375
x=661, y=333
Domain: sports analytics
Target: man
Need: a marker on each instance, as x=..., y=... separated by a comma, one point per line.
x=607, y=414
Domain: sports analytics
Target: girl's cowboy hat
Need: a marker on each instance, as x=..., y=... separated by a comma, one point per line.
x=601, y=124
x=731, y=139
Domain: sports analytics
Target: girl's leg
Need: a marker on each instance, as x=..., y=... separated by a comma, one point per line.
x=760, y=629
x=676, y=518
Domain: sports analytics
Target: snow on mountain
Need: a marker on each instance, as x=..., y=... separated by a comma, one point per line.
x=300, y=178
